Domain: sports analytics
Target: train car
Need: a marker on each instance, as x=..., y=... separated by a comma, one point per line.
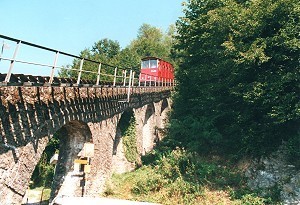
x=156, y=70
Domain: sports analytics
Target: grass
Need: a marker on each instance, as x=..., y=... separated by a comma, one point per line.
x=186, y=178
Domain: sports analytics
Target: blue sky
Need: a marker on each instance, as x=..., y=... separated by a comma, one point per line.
x=73, y=25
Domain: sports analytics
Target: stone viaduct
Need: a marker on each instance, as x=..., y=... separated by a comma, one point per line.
x=30, y=116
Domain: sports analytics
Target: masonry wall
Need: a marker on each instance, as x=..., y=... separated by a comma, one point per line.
x=29, y=116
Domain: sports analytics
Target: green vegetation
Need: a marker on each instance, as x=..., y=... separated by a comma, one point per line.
x=150, y=41
x=182, y=177
x=237, y=97
x=294, y=150
x=128, y=133
x=44, y=171
x=238, y=83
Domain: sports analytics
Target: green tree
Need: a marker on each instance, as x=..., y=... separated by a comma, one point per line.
x=151, y=41
x=44, y=171
x=105, y=51
x=239, y=79
x=128, y=58
x=87, y=66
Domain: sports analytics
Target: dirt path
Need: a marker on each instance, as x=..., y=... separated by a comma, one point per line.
x=96, y=201
x=33, y=197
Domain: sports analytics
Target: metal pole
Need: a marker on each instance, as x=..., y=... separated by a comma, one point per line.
x=115, y=76
x=133, y=73
x=53, y=68
x=150, y=81
x=80, y=71
x=99, y=73
x=2, y=49
x=145, y=80
x=140, y=76
x=125, y=72
x=129, y=86
x=7, y=78
x=155, y=81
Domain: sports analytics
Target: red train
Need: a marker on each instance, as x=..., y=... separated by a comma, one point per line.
x=156, y=70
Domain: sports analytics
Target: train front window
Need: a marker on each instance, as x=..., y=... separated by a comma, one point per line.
x=149, y=64
x=153, y=63
x=145, y=64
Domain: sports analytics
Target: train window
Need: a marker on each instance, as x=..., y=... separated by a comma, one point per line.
x=149, y=64
x=153, y=63
x=145, y=64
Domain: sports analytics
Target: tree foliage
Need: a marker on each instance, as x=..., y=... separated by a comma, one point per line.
x=44, y=171
x=239, y=79
x=150, y=41
x=105, y=51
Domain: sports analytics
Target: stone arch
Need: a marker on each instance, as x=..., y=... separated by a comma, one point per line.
x=164, y=108
x=148, y=131
x=120, y=163
x=31, y=115
x=73, y=135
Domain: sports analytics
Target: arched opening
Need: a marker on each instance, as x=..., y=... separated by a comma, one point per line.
x=125, y=153
x=67, y=175
x=164, y=113
x=164, y=107
x=40, y=183
x=56, y=170
x=149, y=136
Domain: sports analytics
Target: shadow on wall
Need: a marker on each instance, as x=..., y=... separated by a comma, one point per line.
x=30, y=115
x=73, y=135
x=164, y=106
x=22, y=122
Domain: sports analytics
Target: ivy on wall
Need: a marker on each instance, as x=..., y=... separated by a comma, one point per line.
x=128, y=132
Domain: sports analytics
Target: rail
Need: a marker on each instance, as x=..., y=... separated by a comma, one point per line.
x=112, y=75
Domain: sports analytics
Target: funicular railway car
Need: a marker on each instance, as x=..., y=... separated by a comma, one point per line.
x=156, y=70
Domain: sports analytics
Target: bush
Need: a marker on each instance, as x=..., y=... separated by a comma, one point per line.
x=252, y=199
x=293, y=146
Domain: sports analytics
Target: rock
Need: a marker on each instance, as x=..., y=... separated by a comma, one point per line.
x=291, y=191
x=275, y=172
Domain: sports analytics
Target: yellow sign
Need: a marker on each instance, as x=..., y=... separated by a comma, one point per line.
x=81, y=161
